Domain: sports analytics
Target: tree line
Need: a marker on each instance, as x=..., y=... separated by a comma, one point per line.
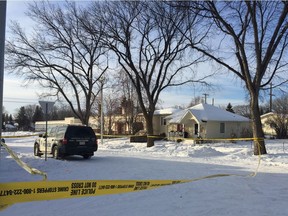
x=26, y=116
x=77, y=48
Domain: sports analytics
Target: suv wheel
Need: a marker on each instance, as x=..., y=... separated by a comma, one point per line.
x=37, y=150
x=55, y=152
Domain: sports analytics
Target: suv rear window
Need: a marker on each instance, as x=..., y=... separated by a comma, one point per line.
x=79, y=131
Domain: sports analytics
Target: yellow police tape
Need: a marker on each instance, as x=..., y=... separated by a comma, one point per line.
x=154, y=136
x=16, y=192
x=179, y=137
x=23, y=164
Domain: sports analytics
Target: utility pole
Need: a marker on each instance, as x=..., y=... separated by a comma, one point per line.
x=2, y=48
x=102, y=113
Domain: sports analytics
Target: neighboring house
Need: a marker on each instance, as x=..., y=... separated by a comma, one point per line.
x=117, y=124
x=160, y=121
x=278, y=118
x=267, y=130
x=207, y=121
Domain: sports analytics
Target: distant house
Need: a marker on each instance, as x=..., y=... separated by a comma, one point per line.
x=122, y=120
x=122, y=123
x=207, y=121
x=10, y=127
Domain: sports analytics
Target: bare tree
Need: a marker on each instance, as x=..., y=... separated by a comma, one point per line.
x=112, y=105
x=29, y=111
x=120, y=99
x=195, y=101
x=146, y=39
x=62, y=54
x=243, y=110
x=252, y=44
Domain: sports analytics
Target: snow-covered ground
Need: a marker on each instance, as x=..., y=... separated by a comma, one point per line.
x=264, y=194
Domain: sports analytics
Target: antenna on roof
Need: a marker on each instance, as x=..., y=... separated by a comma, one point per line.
x=205, y=96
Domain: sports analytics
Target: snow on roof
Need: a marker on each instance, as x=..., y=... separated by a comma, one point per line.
x=177, y=117
x=206, y=112
x=167, y=111
x=267, y=115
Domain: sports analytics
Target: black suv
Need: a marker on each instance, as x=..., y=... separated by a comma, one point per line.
x=67, y=140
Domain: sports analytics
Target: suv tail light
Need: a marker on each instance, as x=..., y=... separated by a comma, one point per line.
x=64, y=141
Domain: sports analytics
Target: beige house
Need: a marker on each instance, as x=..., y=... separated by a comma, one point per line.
x=160, y=121
x=122, y=123
x=207, y=121
x=268, y=131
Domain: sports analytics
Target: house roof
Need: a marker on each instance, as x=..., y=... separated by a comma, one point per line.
x=266, y=115
x=167, y=111
x=206, y=112
x=177, y=117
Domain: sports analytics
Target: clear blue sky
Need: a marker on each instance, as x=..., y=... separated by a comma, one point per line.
x=228, y=88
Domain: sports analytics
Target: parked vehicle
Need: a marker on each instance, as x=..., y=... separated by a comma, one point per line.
x=67, y=140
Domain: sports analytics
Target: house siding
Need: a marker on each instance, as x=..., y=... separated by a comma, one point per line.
x=232, y=129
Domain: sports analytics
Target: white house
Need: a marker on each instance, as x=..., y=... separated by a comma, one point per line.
x=160, y=121
x=207, y=121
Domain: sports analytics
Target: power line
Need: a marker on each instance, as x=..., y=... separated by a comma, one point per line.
x=19, y=100
x=13, y=98
x=15, y=101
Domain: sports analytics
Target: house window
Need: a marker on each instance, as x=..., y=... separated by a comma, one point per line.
x=222, y=127
x=163, y=121
x=196, y=129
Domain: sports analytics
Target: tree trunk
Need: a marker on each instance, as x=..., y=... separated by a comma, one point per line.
x=258, y=135
x=149, y=127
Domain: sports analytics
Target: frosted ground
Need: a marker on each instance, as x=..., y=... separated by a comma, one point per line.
x=264, y=194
